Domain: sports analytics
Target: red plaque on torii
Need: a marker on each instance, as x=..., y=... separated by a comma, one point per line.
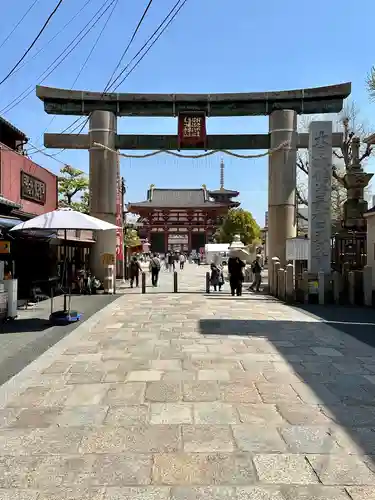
x=192, y=130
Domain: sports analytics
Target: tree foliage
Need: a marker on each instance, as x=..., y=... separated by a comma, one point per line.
x=348, y=122
x=238, y=221
x=131, y=238
x=72, y=183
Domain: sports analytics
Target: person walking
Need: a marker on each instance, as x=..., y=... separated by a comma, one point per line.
x=236, y=277
x=154, y=269
x=256, y=269
x=135, y=269
x=182, y=261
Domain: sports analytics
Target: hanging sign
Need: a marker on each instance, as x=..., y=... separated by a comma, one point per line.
x=192, y=130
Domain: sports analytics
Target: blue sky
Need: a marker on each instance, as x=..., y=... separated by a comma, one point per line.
x=212, y=46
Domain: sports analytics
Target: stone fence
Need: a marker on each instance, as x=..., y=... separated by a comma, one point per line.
x=348, y=288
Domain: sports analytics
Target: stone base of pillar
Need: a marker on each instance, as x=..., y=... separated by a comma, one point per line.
x=281, y=227
x=105, y=244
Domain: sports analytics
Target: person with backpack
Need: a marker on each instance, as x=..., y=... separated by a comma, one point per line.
x=155, y=269
x=256, y=269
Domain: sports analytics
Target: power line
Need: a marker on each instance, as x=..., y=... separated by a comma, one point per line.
x=109, y=80
x=17, y=24
x=88, y=56
x=48, y=43
x=21, y=97
x=33, y=42
x=173, y=12
x=129, y=44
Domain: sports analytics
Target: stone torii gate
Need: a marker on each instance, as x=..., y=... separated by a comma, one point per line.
x=103, y=110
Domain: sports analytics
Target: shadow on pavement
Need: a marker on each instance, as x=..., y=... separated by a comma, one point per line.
x=333, y=371
x=32, y=335
x=25, y=325
x=358, y=322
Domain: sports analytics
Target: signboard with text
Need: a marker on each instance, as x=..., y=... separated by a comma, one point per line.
x=33, y=189
x=192, y=130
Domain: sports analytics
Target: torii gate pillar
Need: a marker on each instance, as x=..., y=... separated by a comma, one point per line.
x=103, y=184
x=282, y=182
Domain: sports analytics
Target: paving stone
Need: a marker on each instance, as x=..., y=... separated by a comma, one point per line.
x=360, y=492
x=57, y=367
x=15, y=441
x=201, y=391
x=57, y=396
x=259, y=414
x=258, y=439
x=87, y=394
x=54, y=440
x=218, y=375
x=57, y=471
x=203, y=493
x=127, y=415
x=215, y=413
x=137, y=439
x=170, y=413
x=77, y=416
x=314, y=492
x=31, y=397
x=144, y=376
x=118, y=470
x=182, y=376
x=237, y=393
x=284, y=468
x=15, y=471
x=137, y=493
x=315, y=395
x=206, y=438
x=89, y=377
x=277, y=393
x=203, y=469
x=303, y=414
x=64, y=493
x=163, y=391
x=18, y=495
x=326, y=351
x=36, y=417
x=343, y=470
x=258, y=493
x=166, y=365
x=8, y=416
x=304, y=439
x=355, y=441
x=129, y=393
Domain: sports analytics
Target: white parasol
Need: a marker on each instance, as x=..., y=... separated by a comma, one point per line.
x=65, y=219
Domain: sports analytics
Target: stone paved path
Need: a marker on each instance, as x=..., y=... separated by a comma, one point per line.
x=187, y=397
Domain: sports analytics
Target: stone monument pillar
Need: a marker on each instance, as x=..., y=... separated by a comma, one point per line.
x=320, y=190
x=103, y=185
x=282, y=183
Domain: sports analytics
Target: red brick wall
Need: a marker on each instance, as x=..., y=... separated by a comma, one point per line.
x=11, y=165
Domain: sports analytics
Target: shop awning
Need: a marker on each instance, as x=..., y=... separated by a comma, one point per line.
x=7, y=223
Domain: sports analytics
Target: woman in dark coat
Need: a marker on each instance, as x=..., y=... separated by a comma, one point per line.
x=135, y=269
x=217, y=278
x=236, y=277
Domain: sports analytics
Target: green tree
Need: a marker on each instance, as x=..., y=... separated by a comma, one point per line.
x=72, y=182
x=131, y=238
x=238, y=221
